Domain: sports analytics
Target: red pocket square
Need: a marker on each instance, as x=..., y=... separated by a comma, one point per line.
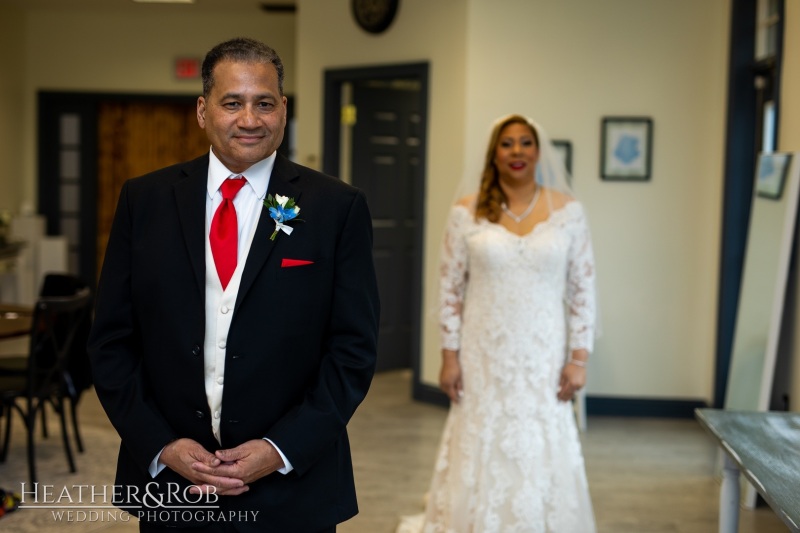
x=294, y=262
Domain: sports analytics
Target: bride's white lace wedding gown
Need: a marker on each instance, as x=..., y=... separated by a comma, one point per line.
x=510, y=458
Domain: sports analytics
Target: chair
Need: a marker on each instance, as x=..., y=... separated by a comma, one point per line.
x=78, y=375
x=54, y=327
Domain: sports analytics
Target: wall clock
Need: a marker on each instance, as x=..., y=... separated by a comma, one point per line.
x=374, y=16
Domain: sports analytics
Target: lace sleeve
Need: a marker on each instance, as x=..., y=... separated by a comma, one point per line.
x=581, y=296
x=453, y=278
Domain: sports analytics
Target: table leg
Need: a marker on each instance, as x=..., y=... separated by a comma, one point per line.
x=729, y=497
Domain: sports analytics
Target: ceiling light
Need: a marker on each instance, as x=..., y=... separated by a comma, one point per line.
x=164, y=1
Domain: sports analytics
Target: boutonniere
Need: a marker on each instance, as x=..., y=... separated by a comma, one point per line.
x=282, y=209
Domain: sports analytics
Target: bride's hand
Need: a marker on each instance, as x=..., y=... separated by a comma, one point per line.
x=450, y=376
x=573, y=378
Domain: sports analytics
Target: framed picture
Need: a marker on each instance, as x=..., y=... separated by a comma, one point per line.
x=626, y=148
x=771, y=174
x=564, y=149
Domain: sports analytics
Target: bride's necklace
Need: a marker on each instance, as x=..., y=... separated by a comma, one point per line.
x=519, y=218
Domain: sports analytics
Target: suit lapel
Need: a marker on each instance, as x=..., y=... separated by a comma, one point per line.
x=190, y=195
x=280, y=182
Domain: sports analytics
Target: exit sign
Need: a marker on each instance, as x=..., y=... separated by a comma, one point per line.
x=187, y=68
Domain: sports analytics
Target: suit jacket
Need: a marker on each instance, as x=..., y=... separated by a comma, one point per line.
x=300, y=351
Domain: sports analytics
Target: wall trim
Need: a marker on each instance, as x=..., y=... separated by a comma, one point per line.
x=598, y=405
x=642, y=407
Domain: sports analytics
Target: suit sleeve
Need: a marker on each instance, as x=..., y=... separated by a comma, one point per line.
x=348, y=362
x=114, y=348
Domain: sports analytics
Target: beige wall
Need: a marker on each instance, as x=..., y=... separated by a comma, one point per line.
x=130, y=50
x=789, y=140
x=423, y=31
x=11, y=98
x=789, y=135
x=567, y=64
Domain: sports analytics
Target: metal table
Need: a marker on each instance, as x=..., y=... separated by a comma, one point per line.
x=765, y=447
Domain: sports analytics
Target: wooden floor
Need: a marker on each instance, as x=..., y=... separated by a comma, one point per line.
x=645, y=475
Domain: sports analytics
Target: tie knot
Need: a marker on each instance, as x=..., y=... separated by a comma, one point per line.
x=231, y=187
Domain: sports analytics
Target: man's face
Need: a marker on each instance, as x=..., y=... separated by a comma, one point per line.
x=244, y=115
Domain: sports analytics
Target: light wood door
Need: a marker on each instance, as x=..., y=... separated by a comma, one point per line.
x=135, y=138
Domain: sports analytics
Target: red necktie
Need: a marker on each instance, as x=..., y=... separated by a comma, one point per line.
x=224, y=236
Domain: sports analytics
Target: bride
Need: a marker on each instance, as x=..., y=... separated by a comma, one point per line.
x=517, y=324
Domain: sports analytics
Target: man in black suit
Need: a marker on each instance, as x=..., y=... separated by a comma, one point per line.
x=230, y=368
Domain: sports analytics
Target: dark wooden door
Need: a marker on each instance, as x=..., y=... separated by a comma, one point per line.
x=386, y=165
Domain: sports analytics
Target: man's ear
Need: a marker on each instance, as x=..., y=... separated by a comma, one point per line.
x=201, y=112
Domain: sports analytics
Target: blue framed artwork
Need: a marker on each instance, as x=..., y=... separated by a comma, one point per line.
x=771, y=174
x=626, y=148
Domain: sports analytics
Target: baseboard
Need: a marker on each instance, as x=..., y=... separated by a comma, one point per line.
x=595, y=405
x=643, y=407
x=429, y=394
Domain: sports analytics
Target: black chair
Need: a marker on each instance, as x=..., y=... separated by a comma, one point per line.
x=54, y=327
x=77, y=373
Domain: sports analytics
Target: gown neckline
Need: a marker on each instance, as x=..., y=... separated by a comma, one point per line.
x=532, y=231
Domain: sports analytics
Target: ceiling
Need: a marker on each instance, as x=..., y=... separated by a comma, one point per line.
x=199, y=5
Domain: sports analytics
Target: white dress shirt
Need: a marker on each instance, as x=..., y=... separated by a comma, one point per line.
x=219, y=303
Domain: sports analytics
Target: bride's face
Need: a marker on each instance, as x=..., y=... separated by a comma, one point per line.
x=516, y=153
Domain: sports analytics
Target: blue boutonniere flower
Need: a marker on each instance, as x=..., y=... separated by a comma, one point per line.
x=282, y=209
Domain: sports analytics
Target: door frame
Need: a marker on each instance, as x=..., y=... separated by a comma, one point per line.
x=334, y=79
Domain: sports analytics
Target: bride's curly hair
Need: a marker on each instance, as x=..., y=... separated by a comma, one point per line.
x=490, y=195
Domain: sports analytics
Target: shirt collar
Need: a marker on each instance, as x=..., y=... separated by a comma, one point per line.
x=257, y=175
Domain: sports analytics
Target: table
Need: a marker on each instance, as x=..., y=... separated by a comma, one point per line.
x=765, y=447
x=15, y=320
